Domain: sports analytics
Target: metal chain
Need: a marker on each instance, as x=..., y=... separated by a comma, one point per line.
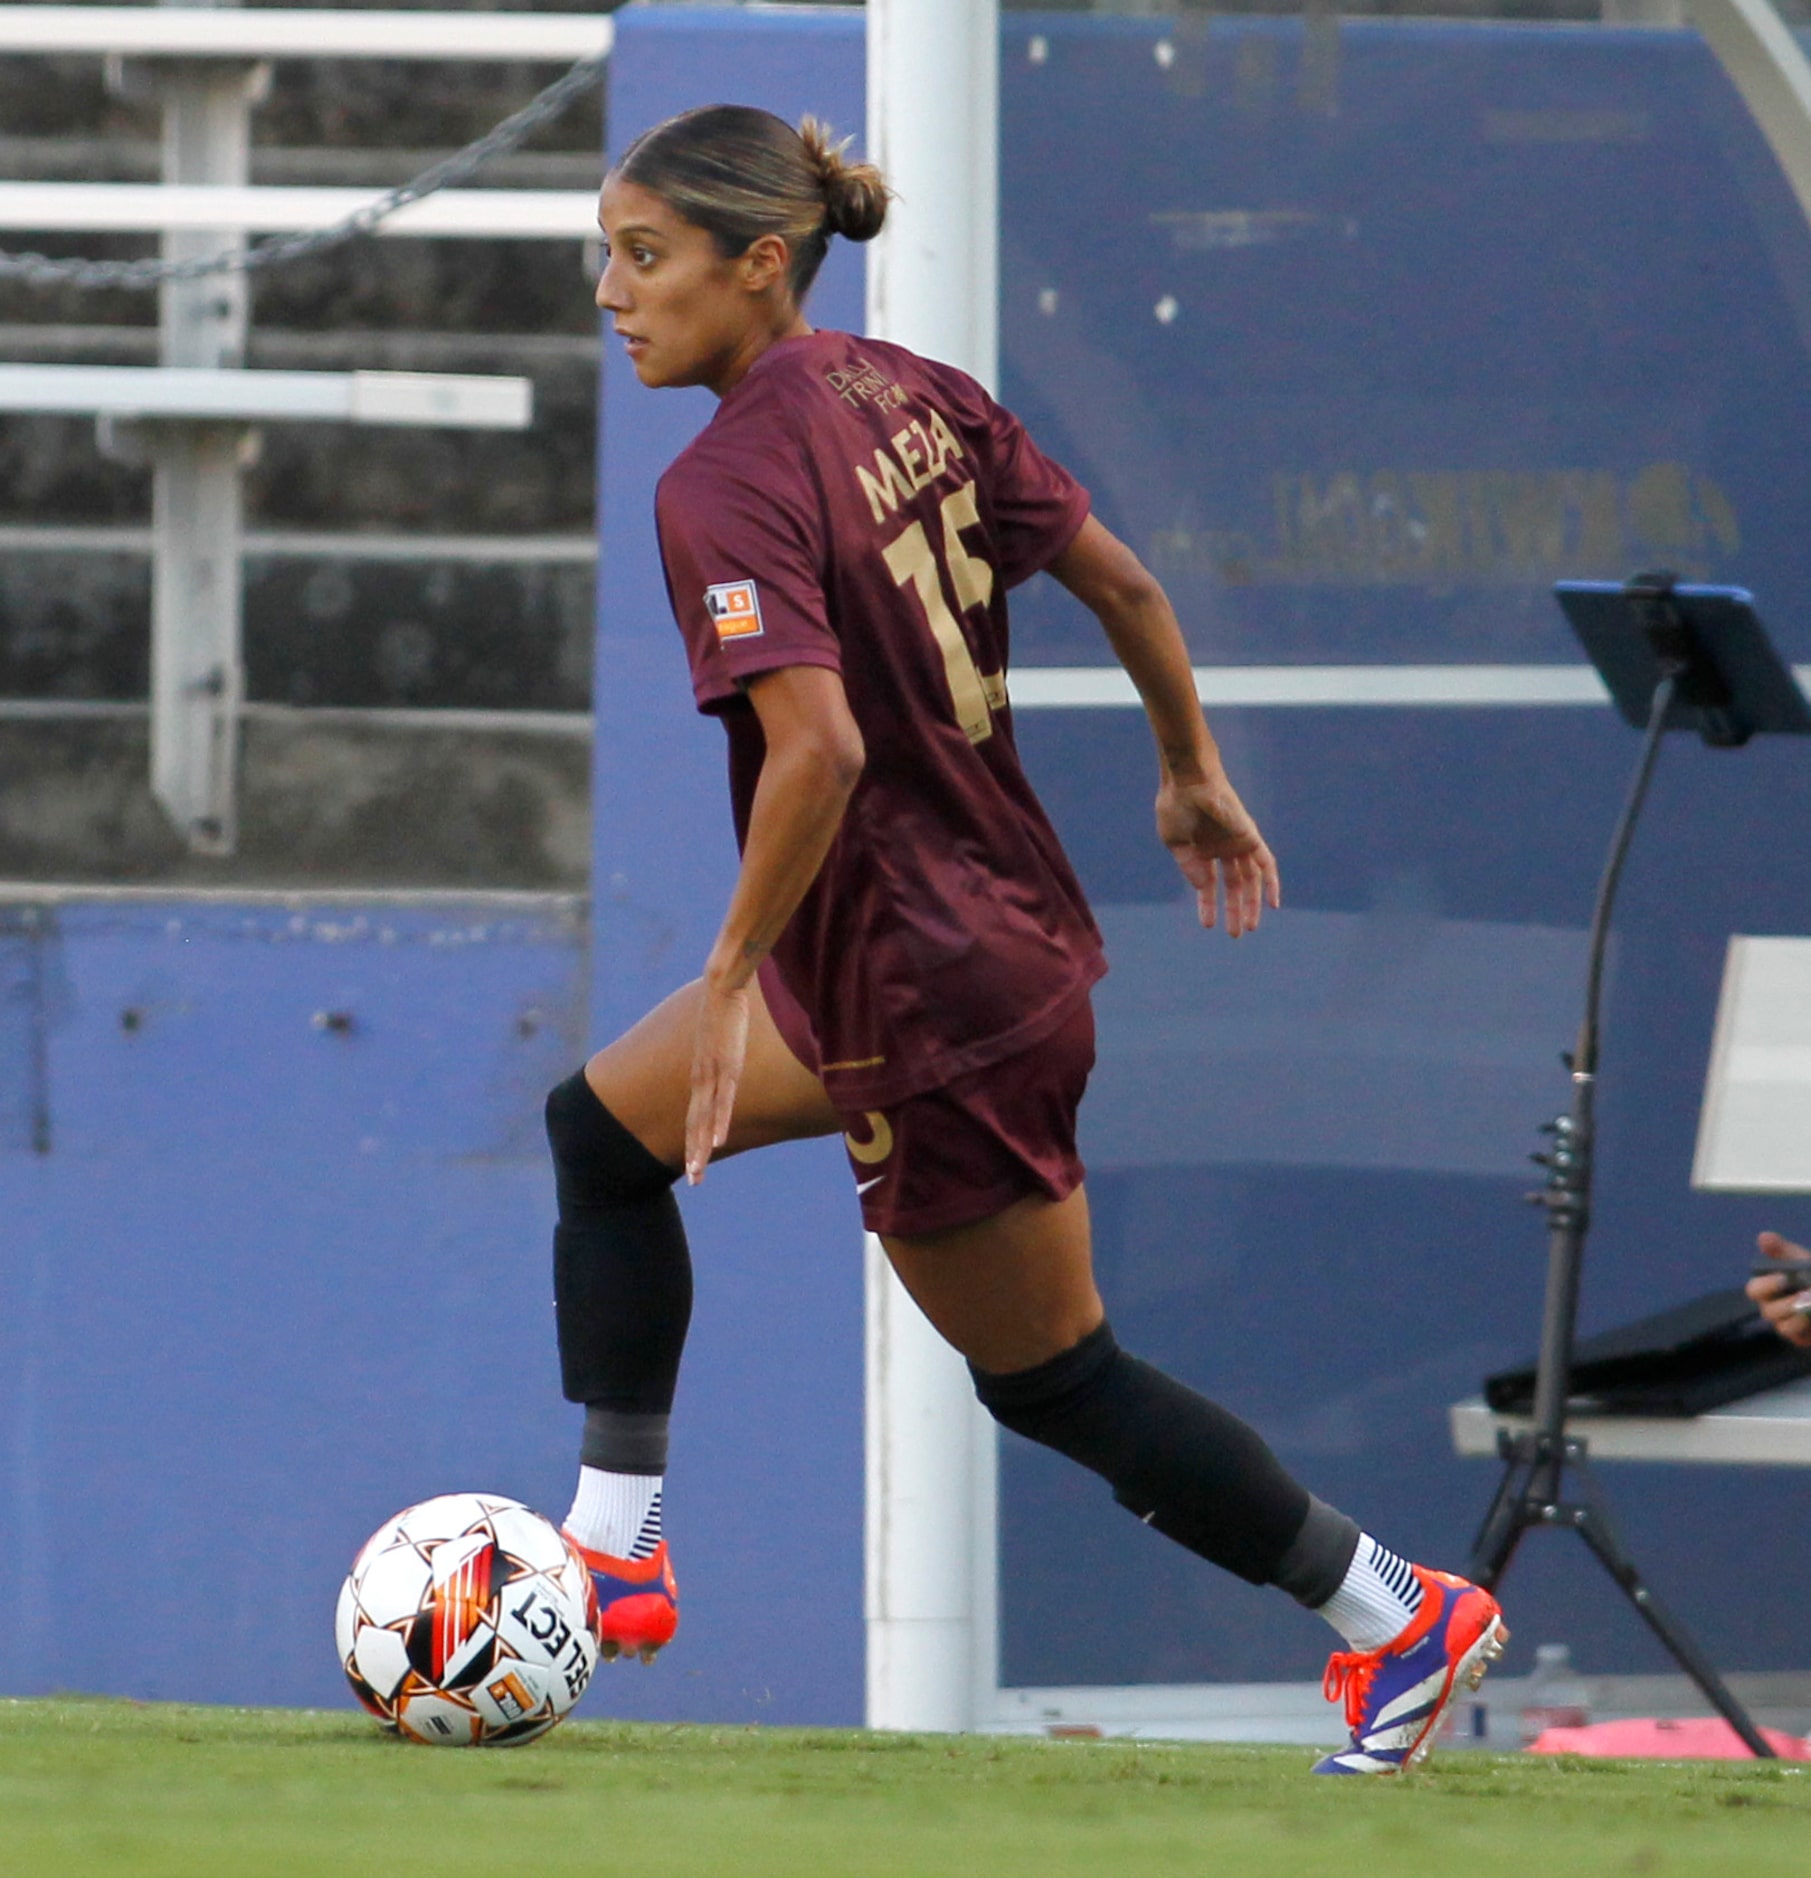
x=42, y=269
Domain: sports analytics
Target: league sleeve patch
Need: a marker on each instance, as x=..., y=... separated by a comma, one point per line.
x=735, y=609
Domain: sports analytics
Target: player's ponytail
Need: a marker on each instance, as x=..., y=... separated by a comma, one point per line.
x=740, y=173
x=855, y=194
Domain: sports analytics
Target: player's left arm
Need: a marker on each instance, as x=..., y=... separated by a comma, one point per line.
x=1200, y=818
x=814, y=759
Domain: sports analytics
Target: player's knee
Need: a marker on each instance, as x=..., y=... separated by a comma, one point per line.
x=1042, y=1403
x=597, y=1162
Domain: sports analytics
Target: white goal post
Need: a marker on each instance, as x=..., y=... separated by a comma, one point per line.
x=933, y=127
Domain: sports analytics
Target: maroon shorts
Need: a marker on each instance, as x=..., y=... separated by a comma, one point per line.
x=964, y=1152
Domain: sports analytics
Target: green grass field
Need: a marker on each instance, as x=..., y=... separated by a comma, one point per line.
x=89, y=1788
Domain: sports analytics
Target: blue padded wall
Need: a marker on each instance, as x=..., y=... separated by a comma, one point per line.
x=1363, y=336
x=765, y=1497
x=263, y=1281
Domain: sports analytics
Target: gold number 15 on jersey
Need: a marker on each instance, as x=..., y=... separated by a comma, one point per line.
x=912, y=561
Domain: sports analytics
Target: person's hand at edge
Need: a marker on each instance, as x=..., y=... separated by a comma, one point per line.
x=1783, y=1303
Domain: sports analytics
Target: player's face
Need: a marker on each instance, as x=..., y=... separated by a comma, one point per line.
x=685, y=314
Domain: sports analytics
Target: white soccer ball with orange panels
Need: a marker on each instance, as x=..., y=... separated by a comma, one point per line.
x=468, y=1621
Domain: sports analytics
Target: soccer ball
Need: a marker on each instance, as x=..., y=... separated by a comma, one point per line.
x=468, y=1621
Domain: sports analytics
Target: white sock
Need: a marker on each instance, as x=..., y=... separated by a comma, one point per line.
x=1376, y=1598
x=616, y=1513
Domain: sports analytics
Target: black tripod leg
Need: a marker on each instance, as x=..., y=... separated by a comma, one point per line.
x=1594, y=1528
x=1503, y=1527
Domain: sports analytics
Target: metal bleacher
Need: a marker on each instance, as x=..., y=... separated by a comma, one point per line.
x=192, y=417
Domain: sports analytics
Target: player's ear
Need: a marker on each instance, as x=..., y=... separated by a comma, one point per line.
x=765, y=260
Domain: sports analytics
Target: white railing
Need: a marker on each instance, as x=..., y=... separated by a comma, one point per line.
x=177, y=32
x=153, y=208
x=192, y=417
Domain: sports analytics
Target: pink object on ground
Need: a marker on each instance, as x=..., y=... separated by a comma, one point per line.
x=1706, y=1738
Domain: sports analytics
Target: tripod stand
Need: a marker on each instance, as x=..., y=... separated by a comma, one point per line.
x=1673, y=658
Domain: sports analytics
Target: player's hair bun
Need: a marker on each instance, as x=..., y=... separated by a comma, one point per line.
x=855, y=194
x=740, y=173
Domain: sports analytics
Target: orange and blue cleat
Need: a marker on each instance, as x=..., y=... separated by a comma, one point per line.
x=1395, y=1696
x=637, y=1601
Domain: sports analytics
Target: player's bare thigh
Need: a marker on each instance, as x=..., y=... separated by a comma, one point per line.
x=644, y=1079
x=1008, y=1292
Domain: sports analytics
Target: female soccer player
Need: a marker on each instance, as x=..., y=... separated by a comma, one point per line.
x=906, y=958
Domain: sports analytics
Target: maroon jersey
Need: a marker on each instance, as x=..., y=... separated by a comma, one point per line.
x=853, y=506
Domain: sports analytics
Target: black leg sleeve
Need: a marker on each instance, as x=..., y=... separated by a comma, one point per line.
x=622, y=1278
x=1196, y=1473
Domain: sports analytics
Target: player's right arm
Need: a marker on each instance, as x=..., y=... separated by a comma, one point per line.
x=741, y=540
x=1200, y=818
x=812, y=762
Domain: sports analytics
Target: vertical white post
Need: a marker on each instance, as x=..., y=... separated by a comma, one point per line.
x=196, y=663
x=933, y=127
x=933, y=117
x=197, y=674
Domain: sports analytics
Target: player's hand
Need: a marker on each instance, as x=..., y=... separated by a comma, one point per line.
x=1218, y=847
x=719, y=1047
x=1780, y=1297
